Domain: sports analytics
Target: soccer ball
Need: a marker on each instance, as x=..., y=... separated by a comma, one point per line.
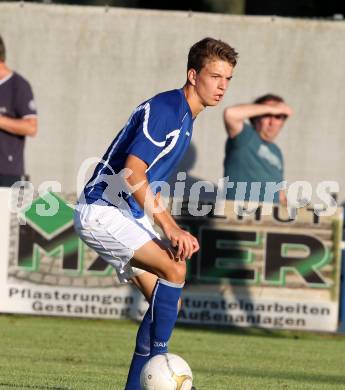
x=166, y=372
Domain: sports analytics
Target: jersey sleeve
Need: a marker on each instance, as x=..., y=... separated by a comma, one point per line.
x=243, y=137
x=151, y=136
x=24, y=99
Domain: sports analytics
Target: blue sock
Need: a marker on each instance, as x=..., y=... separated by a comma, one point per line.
x=141, y=354
x=164, y=307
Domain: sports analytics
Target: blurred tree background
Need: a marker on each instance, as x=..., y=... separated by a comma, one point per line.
x=294, y=8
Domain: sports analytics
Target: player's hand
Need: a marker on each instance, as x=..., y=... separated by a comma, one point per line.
x=195, y=243
x=184, y=243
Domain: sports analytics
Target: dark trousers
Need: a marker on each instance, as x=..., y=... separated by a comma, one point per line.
x=8, y=180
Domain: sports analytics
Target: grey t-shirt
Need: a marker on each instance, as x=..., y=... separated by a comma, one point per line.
x=16, y=101
x=250, y=159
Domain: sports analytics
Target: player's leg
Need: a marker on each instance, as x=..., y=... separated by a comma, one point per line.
x=145, y=282
x=156, y=258
x=162, y=292
x=118, y=238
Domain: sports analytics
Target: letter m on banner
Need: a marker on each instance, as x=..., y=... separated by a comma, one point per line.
x=48, y=243
x=48, y=236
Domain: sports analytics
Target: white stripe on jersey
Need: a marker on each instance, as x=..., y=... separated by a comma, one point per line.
x=175, y=134
x=106, y=163
x=146, y=130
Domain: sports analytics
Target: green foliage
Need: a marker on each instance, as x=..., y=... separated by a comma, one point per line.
x=78, y=354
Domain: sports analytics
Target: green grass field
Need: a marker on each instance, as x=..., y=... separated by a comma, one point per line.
x=66, y=354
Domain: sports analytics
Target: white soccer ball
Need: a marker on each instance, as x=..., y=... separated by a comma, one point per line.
x=166, y=372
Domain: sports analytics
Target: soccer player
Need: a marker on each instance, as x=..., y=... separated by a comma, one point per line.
x=111, y=215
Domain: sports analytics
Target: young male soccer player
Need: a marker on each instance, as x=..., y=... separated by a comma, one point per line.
x=111, y=216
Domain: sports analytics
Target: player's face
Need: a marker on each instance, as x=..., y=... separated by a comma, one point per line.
x=212, y=82
x=269, y=126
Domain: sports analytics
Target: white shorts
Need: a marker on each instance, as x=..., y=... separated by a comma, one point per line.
x=114, y=234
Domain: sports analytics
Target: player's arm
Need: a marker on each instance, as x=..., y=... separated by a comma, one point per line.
x=185, y=243
x=24, y=126
x=235, y=116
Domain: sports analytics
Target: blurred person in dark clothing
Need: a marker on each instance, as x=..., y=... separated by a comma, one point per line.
x=18, y=119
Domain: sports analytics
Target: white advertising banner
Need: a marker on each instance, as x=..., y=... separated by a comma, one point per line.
x=275, y=313
x=264, y=271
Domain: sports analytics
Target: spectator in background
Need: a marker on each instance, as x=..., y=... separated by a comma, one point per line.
x=18, y=119
x=251, y=154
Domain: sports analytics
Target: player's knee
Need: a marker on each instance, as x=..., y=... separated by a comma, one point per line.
x=177, y=272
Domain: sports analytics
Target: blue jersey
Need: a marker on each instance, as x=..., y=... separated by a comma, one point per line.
x=158, y=132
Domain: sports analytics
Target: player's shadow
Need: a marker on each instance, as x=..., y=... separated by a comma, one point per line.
x=186, y=166
x=202, y=267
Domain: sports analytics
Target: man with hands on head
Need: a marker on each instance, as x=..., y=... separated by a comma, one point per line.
x=251, y=156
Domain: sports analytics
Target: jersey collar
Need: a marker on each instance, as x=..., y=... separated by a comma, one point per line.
x=3, y=81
